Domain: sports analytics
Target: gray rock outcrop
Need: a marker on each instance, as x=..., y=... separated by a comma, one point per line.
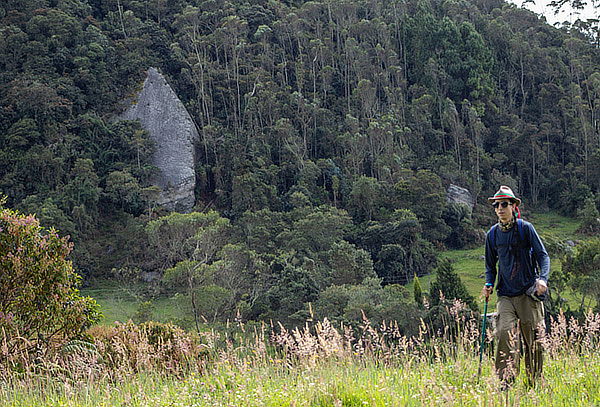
x=456, y=194
x=170, y=126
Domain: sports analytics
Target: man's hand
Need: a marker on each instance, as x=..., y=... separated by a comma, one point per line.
x=540, y=287
x=487, y=291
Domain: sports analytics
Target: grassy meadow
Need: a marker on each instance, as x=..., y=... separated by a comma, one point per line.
x=327, y=368
x=568, y=382
x=122, y=302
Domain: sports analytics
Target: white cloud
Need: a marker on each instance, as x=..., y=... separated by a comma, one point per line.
x=566, y=14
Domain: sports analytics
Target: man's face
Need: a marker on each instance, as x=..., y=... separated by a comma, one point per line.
x=504, y=209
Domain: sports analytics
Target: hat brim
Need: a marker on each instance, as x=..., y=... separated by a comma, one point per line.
x=517, y=200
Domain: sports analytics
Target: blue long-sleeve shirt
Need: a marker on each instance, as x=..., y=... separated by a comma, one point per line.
x=515, y=273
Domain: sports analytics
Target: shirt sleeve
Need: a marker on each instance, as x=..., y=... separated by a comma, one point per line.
x=491, y=260
x=540, y=252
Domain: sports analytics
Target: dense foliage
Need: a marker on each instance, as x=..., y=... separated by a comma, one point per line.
x=329, y=131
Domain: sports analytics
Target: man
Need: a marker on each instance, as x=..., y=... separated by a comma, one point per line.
x=513, y=249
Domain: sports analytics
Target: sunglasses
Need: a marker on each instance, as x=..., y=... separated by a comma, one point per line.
x=502, y=204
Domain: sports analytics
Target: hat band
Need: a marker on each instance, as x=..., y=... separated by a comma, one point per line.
x=504, y=196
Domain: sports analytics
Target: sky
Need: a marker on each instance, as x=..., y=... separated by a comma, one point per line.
x=566, y=14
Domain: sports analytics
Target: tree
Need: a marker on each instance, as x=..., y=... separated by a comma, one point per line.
x=422, y=192
x=23, y=134
x=124, y=191
x=348, y=303
x=368, y=106
x=365, y=195
x=348, y=264
x=294, y=286
x=243, y=274
x=82, y=193
x=188, y=245
x=251, y=193
x=448, y=285
x=398, y=250
x=314, y=230
x=458, y=217
x=588, y=27
x=49, y=214
x=259, y=229
x=417, y=290
x=40, y=305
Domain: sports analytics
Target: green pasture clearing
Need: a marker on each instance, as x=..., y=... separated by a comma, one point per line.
x=558, y=225
x=120, y=302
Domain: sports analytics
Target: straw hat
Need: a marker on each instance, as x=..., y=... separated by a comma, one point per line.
x=505, y=193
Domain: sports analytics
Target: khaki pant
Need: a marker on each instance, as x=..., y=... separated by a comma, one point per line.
x=518, y=319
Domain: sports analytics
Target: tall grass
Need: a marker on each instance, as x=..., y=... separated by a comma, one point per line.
x=314, y=365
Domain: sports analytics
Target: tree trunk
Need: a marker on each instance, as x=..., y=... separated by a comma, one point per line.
x=193, y=298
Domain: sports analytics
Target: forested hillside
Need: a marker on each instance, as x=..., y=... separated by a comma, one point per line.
x=329, y=132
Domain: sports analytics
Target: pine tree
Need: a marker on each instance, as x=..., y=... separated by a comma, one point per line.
x=418, y=291
x=448, y=285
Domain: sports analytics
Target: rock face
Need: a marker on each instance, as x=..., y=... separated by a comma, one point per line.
x=456, y=194
x=170, y=126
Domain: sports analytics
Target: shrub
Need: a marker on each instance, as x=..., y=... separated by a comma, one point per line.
x=40, y=306
x=583, y=267
x=590, y=218
x=349, y=304
x=151, y=346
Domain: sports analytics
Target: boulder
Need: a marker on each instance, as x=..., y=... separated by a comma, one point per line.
x=173, y=131
x=150, y=276
x=456, y=194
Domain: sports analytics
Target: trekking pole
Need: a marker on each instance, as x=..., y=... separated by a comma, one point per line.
x=482, y=347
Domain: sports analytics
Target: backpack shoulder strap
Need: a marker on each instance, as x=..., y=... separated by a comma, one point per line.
x=521, y=229
x=522, y=236
x=493, y=235
x=526, y=244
